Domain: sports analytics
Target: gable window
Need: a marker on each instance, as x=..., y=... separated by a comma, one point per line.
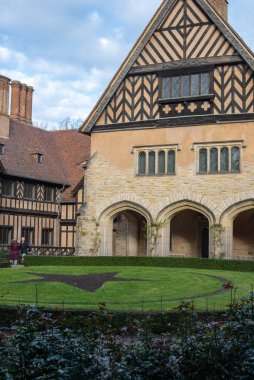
x=184, y=86
x=1, y=149
x=29, y=191
x=156, y=161
x=219, y=159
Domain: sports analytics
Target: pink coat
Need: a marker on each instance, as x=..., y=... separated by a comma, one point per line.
x=14, y=251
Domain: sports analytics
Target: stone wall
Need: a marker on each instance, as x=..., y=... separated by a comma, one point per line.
x=111, y=181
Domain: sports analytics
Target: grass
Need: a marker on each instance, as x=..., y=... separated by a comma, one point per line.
x=161, y=288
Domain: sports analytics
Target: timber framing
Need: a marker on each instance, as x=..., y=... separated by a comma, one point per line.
x=174, y=122
x=225, y=30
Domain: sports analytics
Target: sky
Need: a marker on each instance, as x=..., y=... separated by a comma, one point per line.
x=69, y=50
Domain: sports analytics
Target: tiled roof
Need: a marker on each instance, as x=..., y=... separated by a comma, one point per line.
x=74, y=148
x=63, y=153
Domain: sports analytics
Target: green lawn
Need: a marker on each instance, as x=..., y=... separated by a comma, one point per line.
x=161, y=287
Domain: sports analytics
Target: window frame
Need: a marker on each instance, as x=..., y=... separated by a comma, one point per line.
x=9, y=232
x=51, y=234
x=230, y=145
x=181, y=74
x=12, y=185
x=33, y=197
x=26, y=231
x=157, y=149
x=52, y=193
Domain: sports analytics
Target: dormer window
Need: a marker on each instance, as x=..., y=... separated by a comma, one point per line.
x=1, y=149
x=39, y=158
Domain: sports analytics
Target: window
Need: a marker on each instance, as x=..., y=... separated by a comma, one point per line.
x=235, y=159
x=49, y=194
x=29, y=191
x=219, y=159
x=6, y=234
x=159, y=161
x=28, y=234
x=8, y=188
x=39, y=158
x=47, y=237
x=186, y=86
x=151, y=163
x=1, y=149
x=142, y=163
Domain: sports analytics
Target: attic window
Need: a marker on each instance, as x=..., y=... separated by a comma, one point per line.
x=185, y=86
x=39, y=158
x=2, y=149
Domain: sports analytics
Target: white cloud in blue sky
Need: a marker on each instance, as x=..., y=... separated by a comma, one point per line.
x=69, y=49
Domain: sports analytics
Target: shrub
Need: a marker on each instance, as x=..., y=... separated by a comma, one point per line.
x=231, y=265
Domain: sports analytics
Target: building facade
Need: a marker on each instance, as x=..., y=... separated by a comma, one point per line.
x=40, y=176
x=171, y=171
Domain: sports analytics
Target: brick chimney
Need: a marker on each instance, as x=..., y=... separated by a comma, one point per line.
x=21, y=102
x=221, y=6
x=29, y=104
x=15, y=99
x=4, y=106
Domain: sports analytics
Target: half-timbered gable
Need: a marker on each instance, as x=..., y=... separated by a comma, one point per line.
x=188, y=62
x=172, y=143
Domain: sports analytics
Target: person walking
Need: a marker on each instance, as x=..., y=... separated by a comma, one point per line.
x=14, y=252
x=24, y=247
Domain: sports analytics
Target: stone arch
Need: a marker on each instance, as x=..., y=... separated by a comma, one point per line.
x=134, y=215
x=194, y=199
x=228, y=218
x=167, y=214
x=125, y=200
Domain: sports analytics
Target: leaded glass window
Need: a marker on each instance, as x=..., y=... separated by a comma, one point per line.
x=171, y=162
x=151, y=163
x=205, y=83
x=142, y=163
x=235, y=159
x=176, y=87
x=195, y=85
x=224, y=160
x=214, y=160
x=161, y=162
x=167, y=88
x=203, y=160
x=186, y=85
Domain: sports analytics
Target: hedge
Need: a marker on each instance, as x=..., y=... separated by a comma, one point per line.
x=4, y=263
x=231, y=265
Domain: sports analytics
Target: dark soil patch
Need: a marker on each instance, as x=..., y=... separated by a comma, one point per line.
x=89, y=282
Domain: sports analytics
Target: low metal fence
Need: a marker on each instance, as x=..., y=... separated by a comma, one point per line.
x=47, y=251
